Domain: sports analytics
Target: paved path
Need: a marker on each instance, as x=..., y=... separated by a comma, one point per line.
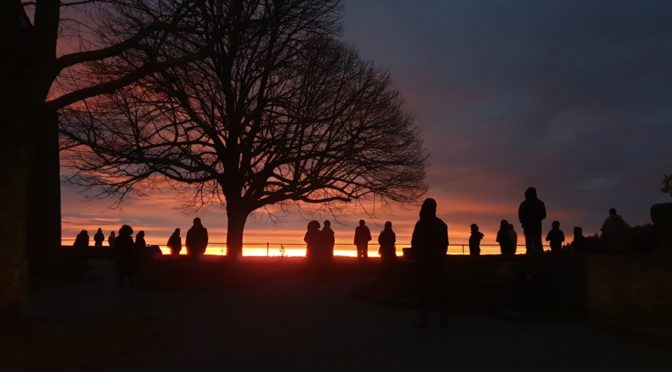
x=287, y=325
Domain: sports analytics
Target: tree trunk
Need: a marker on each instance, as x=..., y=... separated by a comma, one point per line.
x=234, y=232
x=13, y=227
x=44, y=204
x=16, y=153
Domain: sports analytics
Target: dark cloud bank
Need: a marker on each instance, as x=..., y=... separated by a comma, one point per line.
x=570, y=96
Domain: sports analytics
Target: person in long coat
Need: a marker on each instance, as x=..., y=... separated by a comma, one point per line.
x=79, y=248
x=429, y=245
x=387, y=240
x=126, y=256
x=328, y=240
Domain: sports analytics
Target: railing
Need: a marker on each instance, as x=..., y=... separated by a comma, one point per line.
x=299, y=249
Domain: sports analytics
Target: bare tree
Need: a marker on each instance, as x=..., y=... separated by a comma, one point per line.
x=37, y=79
x=279, y=112
x=667, y=184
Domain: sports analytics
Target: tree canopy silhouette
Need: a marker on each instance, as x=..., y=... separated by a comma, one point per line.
x=667, y=184
x=279, y=111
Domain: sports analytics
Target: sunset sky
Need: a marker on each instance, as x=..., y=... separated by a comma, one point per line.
x=572, y=97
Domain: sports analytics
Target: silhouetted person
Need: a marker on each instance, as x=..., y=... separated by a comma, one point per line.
x=555, y=237
x=387, y=240
x=362, y=238
x=615, y=232
x=79, y=248
x=175, y=243
x=99, y=238
x=313, y=239
x=475, y=241
x=531, y=212
x=197, y=239
x=125, y=255
x=141, y=245
x=111, y=239
x=429, y=245
x=502, y=237
x=513, y=240
x=327, y=240
x=579, y=242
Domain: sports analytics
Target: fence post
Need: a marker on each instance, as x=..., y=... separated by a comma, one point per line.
x=267, y=244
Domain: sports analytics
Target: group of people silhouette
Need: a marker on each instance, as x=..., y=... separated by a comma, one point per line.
x=531, y=213
x=128, y=254
x=196, y=242
x=320, y=243
x=429, y=245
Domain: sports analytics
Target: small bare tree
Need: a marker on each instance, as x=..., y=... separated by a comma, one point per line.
x=279, y=112
x=667, y=184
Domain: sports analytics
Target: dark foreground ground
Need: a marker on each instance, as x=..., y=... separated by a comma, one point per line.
x=284, y=321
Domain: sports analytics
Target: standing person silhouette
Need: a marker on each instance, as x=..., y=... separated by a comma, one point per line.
x=556, y=237
x=513, y=240
x=325, y=251
x=175, y=243
x=80, y=247
x=111, y=239
x=313, y=239
x=362, y=238
x=579, y=241
x=125, y=256
x=502, y=238
x=327, y=241
x=387, y=240
x=475, y=241
x=141, y=246
x=430, y=244
x=531, y=212
x=615, y=232
x=99, y=238
x=197, y=239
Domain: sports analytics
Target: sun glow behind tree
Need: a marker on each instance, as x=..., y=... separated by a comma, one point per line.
x=278, y=113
